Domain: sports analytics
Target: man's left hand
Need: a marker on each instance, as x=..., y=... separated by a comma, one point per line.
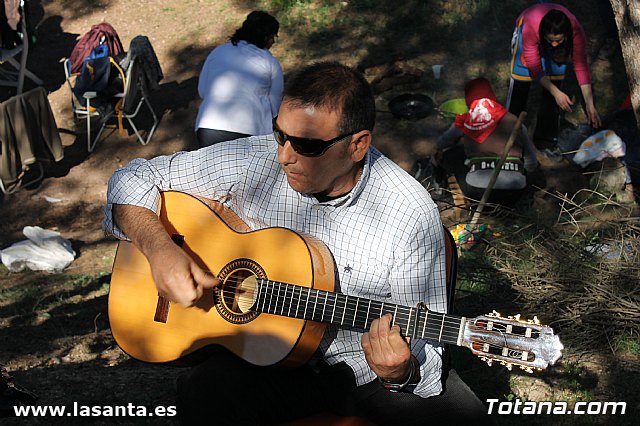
x=387, y=351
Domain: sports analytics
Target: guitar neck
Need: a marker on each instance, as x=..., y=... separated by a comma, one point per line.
x=350, y=311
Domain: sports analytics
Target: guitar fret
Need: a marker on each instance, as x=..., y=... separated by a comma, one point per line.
x=324, y=307
x=270, y=297
x=260, y=299
x=266, y=294
x=379, y=308
x=355, y=313
x=315, y=305
x=394, y=316
x=441, y=328
x=346, y=301
x=433, y=324
x=366, y=320
x=259, y=296
x=460, y=331
x=278, y=298
x=298, y=304
x=424, y=327
x=333, y=311
x=409, y=331
x=350, y=315
x=307, y=303
x=285, y=299
x=402, y=318
x=290, y=299
x=273, y=300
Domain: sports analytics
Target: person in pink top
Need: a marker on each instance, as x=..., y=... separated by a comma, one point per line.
x=546, y=38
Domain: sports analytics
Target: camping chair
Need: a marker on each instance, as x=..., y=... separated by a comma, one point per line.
x=451, y=273
x=80, y=110
x=15, y=77
x=128, y=105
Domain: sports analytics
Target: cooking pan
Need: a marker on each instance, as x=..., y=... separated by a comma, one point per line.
x=411, y=106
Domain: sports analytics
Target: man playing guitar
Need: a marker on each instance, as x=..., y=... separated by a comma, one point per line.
x=317, y=174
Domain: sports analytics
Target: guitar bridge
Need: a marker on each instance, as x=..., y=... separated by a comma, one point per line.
x=163, y=305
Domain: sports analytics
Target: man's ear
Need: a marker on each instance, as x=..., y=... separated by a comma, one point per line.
x=360, y=143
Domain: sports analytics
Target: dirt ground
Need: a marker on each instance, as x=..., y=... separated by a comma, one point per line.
x=67, y=354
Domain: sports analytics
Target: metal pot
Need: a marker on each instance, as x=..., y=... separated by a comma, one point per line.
x=411, y=106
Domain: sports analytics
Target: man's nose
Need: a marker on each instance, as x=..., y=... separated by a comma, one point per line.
x=286, y=153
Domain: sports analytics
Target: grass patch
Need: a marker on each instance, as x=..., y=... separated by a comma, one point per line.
x=31, y=292
x=627, y=344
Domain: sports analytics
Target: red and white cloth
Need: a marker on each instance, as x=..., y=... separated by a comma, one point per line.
x=481, y=120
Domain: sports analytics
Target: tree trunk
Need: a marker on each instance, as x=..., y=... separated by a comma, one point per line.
x=627, y=13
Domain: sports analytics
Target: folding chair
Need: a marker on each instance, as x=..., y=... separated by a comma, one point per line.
x=81, y=111
x=135, y=90
x=15, y=77
x=128, y=105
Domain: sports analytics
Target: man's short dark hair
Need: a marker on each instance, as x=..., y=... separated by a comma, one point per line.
x=331, y=86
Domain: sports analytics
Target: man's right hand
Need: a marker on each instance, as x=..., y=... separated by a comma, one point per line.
x=176, y=275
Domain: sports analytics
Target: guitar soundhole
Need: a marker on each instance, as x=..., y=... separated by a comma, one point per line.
x=234, y=298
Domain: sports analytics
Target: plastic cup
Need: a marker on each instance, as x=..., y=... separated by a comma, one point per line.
x=437, y=70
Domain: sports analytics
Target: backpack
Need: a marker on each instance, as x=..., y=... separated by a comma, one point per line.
x=102, y=33
x=100, y=73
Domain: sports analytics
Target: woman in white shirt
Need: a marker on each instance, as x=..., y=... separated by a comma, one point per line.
x=240, y=84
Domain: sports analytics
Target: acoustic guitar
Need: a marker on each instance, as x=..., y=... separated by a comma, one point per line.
x=276, y=297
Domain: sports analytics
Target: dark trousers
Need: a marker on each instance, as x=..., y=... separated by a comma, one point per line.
x=208, y=137
x=548, y=116
x=227, y=390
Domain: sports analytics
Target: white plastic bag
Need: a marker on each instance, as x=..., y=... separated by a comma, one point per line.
x=596, y=147
x=45, y=250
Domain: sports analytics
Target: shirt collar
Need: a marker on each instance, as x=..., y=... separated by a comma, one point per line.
x=351, y=196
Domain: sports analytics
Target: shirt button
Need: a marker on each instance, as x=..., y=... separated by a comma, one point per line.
x=316, y=207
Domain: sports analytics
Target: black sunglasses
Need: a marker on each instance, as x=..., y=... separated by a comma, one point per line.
x=306, y=146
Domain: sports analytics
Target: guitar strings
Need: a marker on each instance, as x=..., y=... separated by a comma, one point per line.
x=281, y=299
x=450, y=325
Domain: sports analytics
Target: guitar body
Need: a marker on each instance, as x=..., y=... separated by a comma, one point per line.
x=149, y=328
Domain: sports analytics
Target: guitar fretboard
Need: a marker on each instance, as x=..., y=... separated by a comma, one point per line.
x=350, y=311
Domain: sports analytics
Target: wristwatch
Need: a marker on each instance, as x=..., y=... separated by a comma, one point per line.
x=411, y=381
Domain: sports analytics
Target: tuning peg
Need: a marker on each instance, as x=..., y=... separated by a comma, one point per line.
x=507, y=364
x=494, y=314
x=534, y=321
x=489, y=361
x=527, y=369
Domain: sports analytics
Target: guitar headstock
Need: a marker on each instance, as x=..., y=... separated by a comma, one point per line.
x=512, y=341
